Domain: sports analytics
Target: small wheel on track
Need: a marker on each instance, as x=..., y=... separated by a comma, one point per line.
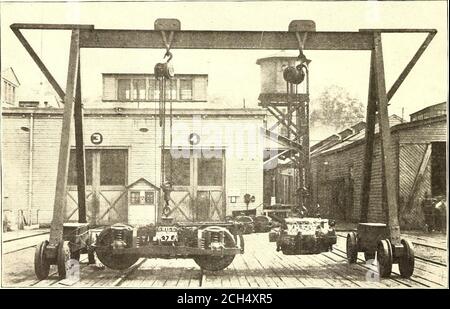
x=63, y=256
x=106, y=256
x=41, y=264
x=352, y=248
x=406, y=261
x=384, y=258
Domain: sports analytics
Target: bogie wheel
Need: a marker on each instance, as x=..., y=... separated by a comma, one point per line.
x=63, y=256
x=384, y=258
x=369, y=255
x=406, y=261
x=216, y=263
x=213, y=263
x=106, y=256
x=41, y=264
x=352, y=247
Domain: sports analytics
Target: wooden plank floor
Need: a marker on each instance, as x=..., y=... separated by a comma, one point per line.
x=260, y=266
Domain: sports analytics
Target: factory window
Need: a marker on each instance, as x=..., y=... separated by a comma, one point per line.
x=113, y=167
x=171, y=89
x=72, y=178
x=153, y=89
x=124, y=89
x=186, y=89
x=138, y=89
x=210, y=172
x=177, y=169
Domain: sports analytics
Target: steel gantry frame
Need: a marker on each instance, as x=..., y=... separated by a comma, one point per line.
x=86, y=36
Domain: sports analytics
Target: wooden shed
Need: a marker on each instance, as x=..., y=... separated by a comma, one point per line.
x=420, y=167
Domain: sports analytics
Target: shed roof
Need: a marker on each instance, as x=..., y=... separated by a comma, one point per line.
x=9, y=75
x=343, y=139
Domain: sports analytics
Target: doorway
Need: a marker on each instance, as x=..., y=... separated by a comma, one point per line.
x=199, y=184
x=106, y=180
x=438, y=169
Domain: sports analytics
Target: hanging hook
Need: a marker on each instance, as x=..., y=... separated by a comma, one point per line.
x=169, y=55
x=167, y=44
x=301, y=43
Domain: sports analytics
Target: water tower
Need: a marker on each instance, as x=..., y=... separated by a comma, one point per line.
x=288, y=101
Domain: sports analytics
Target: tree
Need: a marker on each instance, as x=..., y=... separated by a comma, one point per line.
x=336, y=108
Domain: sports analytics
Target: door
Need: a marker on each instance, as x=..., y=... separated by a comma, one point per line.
x=198, y=183
x=338, y=200
x=106, y=178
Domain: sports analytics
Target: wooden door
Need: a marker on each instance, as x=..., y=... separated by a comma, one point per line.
x=198, y=183
x=106, y=179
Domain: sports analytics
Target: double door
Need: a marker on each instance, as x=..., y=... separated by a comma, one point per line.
x=198, y=179
x=106, y=180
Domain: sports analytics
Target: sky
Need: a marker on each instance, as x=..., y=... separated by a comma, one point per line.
x=235, y=74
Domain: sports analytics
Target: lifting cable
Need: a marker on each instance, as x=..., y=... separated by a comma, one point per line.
x=164, y=72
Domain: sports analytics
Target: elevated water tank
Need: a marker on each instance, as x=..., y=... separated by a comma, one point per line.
x=272, y=71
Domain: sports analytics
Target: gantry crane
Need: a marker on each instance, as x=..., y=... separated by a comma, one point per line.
x=385, y=239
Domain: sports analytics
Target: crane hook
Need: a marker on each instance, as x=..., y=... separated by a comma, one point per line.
x=169, y=55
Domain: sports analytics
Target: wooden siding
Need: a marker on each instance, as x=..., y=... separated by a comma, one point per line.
x=15, y=166
x=243, y=152
x=409, y=144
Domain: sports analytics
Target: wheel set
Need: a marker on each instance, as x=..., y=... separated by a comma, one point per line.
x=386, y=254
x=42, y=262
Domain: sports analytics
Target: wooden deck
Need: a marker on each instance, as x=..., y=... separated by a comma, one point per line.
x=260, y=266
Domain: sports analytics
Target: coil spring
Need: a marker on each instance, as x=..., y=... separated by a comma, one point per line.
x=119, y=235
x=138, y=241
x=215, y=237
x=202, y=243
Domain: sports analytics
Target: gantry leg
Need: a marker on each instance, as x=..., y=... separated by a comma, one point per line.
x=80, y=152
x=370, y=132
x=56, y=228
x=386, y=142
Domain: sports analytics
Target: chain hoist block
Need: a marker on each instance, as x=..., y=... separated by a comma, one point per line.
x=164, y=70
x=294, y=75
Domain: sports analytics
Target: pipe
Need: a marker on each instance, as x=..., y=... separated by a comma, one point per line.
x=30, y=168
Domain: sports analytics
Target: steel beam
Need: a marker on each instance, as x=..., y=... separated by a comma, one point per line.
x=387, y=154
x=79, y=148
x=184, y=39
x=56, y=228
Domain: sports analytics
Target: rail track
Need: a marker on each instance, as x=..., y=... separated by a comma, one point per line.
x=22, y=243
x=260, y=266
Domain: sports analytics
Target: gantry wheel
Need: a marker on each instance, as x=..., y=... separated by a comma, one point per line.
x=75, y=255
x=406, y=261
x=369, y=255
x=63, y=256
x=384, y=258
x=352, y=247
x=106, y=256
x=41, y=264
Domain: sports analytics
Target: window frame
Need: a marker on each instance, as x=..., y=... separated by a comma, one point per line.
x=97, y=149
x=186, y=79
x=118, y=88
